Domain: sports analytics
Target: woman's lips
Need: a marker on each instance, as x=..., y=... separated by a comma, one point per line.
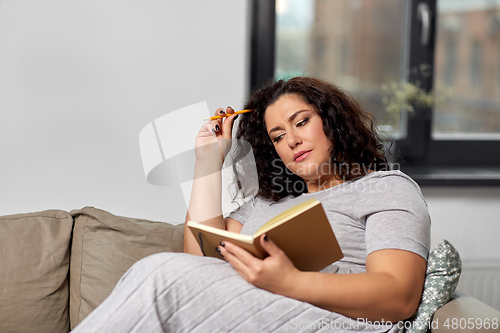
x=301, y=155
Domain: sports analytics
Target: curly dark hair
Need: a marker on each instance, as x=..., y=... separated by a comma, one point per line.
x=351, y=130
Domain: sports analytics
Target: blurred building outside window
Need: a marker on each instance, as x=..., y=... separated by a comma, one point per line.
x=360, y=46
x=468, y=60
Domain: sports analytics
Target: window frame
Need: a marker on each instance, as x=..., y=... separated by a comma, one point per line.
x=429, y=161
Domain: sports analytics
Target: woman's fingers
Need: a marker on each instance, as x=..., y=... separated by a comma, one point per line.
x=229, y=110
x=235, y=262
x=217, y=130
x=242, y=254
x=269, y=246
x=217, y=123
x=228, y=123
x=241, y=260
x=222, y=129
x=275, y=273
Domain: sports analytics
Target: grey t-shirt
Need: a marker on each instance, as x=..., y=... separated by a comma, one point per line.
x=381, y=210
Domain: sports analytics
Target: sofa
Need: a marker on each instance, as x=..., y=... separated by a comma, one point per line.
x=57, y=266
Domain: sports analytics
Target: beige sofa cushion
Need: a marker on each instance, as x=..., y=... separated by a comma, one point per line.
x=34, y=263
x=104, y=247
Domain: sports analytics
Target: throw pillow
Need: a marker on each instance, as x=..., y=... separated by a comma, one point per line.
x=443, y=272
x=104, y=247
x=34, y=264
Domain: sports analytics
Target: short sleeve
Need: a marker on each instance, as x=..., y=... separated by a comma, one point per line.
x=243, y=213
x=395, y=215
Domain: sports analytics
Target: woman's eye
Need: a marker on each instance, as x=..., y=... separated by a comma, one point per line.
x=302, y=122
x=278, y=138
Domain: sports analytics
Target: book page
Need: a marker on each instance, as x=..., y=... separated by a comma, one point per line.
x=286, y=215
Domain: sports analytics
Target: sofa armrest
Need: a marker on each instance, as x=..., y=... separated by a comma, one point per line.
x=464, y=313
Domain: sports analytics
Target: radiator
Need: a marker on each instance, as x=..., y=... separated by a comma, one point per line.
x=481, y=280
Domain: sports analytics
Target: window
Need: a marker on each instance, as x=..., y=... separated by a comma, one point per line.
x=466, y=59
x=475, y=65
x=363, y=46
x=450, y=61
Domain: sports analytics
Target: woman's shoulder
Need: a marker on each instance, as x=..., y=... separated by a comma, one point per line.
x=255, y=203
x=382, y=185
x=392, y=176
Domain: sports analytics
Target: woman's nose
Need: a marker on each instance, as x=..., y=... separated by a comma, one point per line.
x=293, y=140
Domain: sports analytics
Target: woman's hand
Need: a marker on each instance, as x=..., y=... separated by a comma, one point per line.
x=276, y=273
x=213, y=141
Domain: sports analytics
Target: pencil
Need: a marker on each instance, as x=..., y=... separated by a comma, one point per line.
x=227, y=115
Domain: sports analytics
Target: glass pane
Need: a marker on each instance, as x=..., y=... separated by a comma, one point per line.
x=468, y=64
x=355, y=44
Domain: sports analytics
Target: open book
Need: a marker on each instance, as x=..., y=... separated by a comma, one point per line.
x=302, y=232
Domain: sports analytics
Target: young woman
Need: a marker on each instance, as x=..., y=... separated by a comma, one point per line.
x=309, y=139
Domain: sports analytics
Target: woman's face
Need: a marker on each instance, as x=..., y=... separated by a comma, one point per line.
x=296, y=131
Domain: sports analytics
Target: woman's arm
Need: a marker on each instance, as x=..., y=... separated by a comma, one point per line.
x=191, y=245
x=212, y=145
x=390, y=289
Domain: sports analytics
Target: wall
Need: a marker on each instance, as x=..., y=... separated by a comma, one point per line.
x=468, y=217
x=80, y=79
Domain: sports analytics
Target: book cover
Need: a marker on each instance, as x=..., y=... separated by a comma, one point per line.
x=302, y=232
